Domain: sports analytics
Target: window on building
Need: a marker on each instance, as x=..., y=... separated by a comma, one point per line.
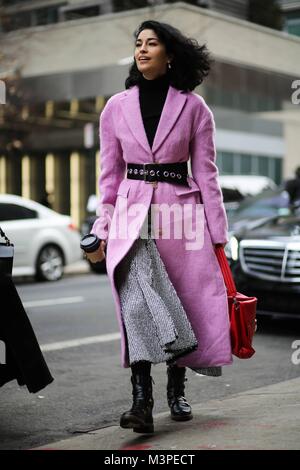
x=18, y=21
x=8, y=3
x=246, y=89
x=277, y=170
x=79, y=13
x=293, y=27
x=292, y=20
x=246, y=164
x=219, y=161
x=227, y=167
x=263, y=166
x=29, y=18
x=45, y=16
x=121, y=5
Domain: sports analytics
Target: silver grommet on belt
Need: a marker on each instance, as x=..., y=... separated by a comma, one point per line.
x=172, y=175
x=166, y=173
x=152, y=172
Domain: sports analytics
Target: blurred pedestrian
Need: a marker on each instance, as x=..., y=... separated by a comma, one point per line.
x=24, y=359
x=292, y=186
x=46, y=200
x=171, y=302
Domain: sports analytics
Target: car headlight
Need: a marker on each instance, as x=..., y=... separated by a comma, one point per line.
x=232, y=249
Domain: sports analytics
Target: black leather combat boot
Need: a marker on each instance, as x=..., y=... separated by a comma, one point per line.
x=139, y=417
x=180, y=409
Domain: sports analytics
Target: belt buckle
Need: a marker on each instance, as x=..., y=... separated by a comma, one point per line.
x=147, y=182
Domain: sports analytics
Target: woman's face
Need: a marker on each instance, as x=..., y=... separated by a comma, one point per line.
x=150, y=55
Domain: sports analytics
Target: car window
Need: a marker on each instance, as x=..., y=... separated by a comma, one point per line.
x=288, y=222
x=15, y=212
x=264, y=209
x=267, y=204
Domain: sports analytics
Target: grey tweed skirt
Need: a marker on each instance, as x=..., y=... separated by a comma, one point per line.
x=156, y=324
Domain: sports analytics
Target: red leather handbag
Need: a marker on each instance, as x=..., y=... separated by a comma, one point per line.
x=242, y=312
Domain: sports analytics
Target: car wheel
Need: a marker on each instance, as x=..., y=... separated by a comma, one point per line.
x=50, y=264
x=99, y=268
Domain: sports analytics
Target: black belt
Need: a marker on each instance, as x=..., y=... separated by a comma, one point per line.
x=164, y=172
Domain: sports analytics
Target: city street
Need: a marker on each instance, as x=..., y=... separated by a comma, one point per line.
x=188, y=111
x=91, y=389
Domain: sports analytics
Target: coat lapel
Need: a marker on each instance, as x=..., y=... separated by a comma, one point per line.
x=132, y=113
x=173, y=105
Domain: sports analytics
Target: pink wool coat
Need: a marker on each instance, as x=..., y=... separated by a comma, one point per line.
x=186, y=130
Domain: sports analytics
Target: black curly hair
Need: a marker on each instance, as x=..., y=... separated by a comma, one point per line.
x=191, y=62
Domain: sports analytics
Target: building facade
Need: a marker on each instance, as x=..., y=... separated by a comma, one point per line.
x=70, y=68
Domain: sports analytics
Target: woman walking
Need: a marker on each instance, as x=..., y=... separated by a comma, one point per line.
x=169, y=292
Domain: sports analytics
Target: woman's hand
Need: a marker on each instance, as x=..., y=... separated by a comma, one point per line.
x=220, y=244
x=98, y=255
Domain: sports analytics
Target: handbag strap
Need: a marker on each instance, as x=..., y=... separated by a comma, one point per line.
x=2, y=234
x=226, y=271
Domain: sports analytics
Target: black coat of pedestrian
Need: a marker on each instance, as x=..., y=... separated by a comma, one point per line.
x=293, y=188
x=24, y=359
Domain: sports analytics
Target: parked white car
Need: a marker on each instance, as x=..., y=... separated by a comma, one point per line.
x=44, y=240
x=247, y=185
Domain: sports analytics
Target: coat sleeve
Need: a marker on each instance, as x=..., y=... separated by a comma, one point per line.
x=112, y=171
x=205, y=173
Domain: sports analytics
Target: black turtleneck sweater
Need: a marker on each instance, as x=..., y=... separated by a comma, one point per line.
x=152, y=95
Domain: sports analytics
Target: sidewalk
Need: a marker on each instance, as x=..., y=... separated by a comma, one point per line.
x=81, y=267
x=263, y=418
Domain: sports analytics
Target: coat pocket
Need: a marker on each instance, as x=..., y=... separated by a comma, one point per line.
x=187, y=190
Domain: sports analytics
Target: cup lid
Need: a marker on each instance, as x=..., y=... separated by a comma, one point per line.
x=90, y=242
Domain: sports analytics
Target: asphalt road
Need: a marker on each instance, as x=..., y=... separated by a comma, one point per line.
x=91, y=389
